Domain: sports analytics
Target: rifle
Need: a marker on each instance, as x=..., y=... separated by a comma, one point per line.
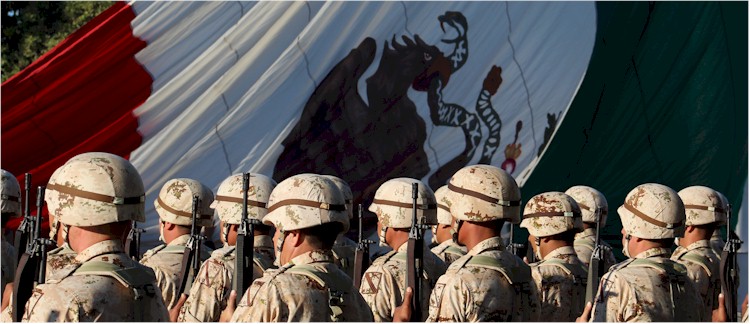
x=22, y=233
x=133, y=243
x=361, y=254
x=191, y=258
x=729, y=271
x=596, y=264
x=33, y=264
x=245, y=246
x=514, y=248
x=414, y=257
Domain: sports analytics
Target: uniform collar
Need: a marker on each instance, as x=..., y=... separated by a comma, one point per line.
x=653, y=252
x=560, y=253
x=493, y=243
x=182, y=240
x=586, y=233
x=103, y=247
x=699, y=244
x=313, y=257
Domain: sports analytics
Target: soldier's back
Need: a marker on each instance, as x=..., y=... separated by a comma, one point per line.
x=316, y=291
x=8, y=261
x=343, y=253
x=384, y=282
x=644, y=289
x=561, y=280
x=702, y=266
x=101, y=289
x=493, y=285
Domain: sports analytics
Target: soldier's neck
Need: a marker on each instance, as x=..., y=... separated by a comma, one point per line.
x=472, y=233
x=695, y=234
x=547, y=246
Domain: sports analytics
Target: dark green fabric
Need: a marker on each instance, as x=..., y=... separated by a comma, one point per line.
x=664, y=100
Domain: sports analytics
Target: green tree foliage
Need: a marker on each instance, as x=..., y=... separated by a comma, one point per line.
x=30, y=29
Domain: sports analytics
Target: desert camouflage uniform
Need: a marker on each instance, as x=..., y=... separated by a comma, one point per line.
x=166, y=261
x=384, y=282
x=703, y=270
x=561, y=280
x=449, y=251
x=633, y=291
x=209, y=294
x=9, y=257
x=584, y=245
x=470, y=292
x=343, y=253
x=58, y=259
x=73, y=295
x=288, y=295
x=717, y=243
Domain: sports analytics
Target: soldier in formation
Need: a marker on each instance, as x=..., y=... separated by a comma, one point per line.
x=705, y=210
x=594, y=210
x=384, y=282
x=553, y=219
x=96, y=196
x=11, y=208
x=649, y=286
x=308, y=212
x=213, y=284
x=174, y=204
x=442, y=233
x=344, y=247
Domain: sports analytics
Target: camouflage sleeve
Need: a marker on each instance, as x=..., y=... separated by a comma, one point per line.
x=451, y=301
x=208, y=296
x=380, y=292
x=167, y=286
x=615, y=302
x=49, y=307
x=533, y=312
x=261, y=302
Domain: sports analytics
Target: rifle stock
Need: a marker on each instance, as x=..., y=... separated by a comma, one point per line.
x=191, y=257
x=245, y=246
x=361, y=254
x=32, y=265
x=133, y=243
x=414, y=257
x=729, y=273
x=22, y=233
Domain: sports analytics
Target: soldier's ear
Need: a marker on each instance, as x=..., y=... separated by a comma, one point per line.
x=296, y=237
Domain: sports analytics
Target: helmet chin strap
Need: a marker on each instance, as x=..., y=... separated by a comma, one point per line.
x=538, y=251
x=381, y=237
x=225, y=232
x=279, y=244
x=65, y=229
x=625, y=249
x=454, y=231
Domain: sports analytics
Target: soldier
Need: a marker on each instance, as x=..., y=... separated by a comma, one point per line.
x=344, y=247
x=384, y=282
x=553, y=219
x=488, y=283
x=442, y=233
x=648, y=287
x=11, y=208
x=592, y=204
x=174, y=204
x=210, y=292
x=96, y=196
x=309, y=213
x=705, y=210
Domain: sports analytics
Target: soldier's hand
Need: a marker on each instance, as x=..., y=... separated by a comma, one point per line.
x=719, y=314
x=526, y=260
x=8, y=293
x=174, y=313
x=744, y=306
x=226, y=314
x=403, y=313
x=586, y=313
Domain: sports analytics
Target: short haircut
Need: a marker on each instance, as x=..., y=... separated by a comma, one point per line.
x=321, y=236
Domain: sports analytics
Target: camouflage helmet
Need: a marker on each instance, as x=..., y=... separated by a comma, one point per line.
x=174, y=203
x=551, y=213
x=94, y=189
x=228, y=203
x=346, y=190
x=703, y=205
x=11, y=194
x=590, y=200
x=442, y=196
x=653, y=211
x=304, y=201
x=482, y=193
x=393, y=203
